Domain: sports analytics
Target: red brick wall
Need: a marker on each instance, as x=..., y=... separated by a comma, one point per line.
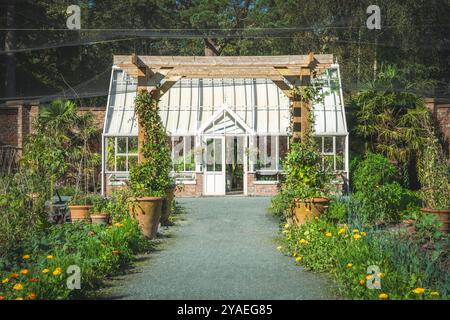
x=191, y=190
x=441, y=110
x=16, y=120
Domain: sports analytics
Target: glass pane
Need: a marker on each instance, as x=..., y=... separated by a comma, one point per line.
x=121, y=163
x=328, y=144
x=178, y=153
x=283, y=149
x=218, y=155
x=209, y=154
x=121, y=145
x=190, y=153
x=340, y=152
x=110, y=153
x=133, y=145
x=132, y=161
x=318, y=142
x=328, y=163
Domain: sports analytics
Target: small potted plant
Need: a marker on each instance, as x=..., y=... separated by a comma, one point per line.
x=98, y=212
x=150, y=178
x=80, y=206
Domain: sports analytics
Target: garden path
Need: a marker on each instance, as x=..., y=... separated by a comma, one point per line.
x=223, y=248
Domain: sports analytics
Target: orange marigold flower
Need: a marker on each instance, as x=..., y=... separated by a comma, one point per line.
x=32, y=296
x=24, y=271
x=33, y=280
x=115, y=252
x=13, y=275
x=2, y=298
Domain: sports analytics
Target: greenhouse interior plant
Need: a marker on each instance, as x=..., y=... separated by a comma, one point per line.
x=150, y=178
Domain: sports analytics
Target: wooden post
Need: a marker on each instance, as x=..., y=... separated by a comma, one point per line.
x=141, y=85
x=300, y=107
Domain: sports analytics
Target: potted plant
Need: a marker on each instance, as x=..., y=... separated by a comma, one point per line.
x=80, y=206
x=433, y=171
x=98, y=210
x=149, y=179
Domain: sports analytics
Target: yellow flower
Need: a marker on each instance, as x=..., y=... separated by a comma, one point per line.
x=24, y=271
x=349, y=265
x=383, y=296
x=26, y=257
x=50, y=257
x=18, y=286
x=341, y=231
x=381, y=275
x=19, y=298
x=45, y=271
x=328, y=234
x=369, y=276
x=355, y=230
x=418, y=290
x=346, y=236
x=303, y=241
x=295, y=254
x=362, y=282
x=286, y=225
x=298, y=259
x=57, y=271
x=363, y=233
x=6, y=280
x=118, y=224
x=434, y=293
x=279, y=247
x=356, y=236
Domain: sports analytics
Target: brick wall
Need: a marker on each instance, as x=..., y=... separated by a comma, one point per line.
x=16, y=120
x=191, y=190
x=441, y=111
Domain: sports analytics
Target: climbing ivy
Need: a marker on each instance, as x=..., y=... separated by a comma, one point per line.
x=151, y=176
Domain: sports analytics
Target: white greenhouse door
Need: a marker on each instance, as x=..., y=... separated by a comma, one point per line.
x=214, y=173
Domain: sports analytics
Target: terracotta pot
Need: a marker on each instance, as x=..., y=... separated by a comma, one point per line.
x=99, y=218
x=147, y=211
x=443, y=216
x=308, y=209
x=79, y=212
x=167, y=206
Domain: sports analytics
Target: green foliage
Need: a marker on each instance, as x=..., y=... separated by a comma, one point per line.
x=280, y=204
x=347, y=253
x=378, y=197
x=98, y=250
x=22, y=207
x=304, y=175
x=152, y=176
x=337, y=211
x=427, y=227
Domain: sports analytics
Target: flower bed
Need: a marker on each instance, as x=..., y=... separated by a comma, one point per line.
x=42, y=268
x=394, y=266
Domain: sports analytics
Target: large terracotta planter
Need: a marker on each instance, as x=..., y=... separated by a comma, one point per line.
x=307, y=209
x=99, y=218
x=442, y=215
x=79, y=212
x=167, y=206
x=147, y=211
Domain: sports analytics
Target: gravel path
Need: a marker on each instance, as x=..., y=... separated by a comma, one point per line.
x=224, y=248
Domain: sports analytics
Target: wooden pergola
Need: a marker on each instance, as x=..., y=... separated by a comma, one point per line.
x=287, y=72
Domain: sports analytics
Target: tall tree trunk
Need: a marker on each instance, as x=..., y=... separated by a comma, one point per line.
x=10, y=41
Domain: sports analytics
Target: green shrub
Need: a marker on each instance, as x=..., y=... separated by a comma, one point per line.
x=280, y=204
x=378, y=197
